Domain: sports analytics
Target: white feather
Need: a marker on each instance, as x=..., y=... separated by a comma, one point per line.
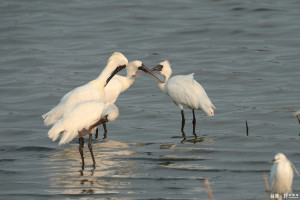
x=78, y=117
x=281, y=175
x=185, y=91
x=81, y=116
x=94, y=90
x=119, y=84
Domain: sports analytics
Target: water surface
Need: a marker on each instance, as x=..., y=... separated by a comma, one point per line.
x=245, y=55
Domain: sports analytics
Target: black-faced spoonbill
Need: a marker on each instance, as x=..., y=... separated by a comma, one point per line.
x=82, y=119
x=119, y=84
x=93, y=90
x=281, y=176
x=185, y=92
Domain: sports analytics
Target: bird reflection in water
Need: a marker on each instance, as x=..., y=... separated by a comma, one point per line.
x=67, y=179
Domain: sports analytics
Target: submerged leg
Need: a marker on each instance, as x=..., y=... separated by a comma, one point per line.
x=91, y=150
x=105, y=131
x=96, y=135
x=182, y=122
x=81, y=142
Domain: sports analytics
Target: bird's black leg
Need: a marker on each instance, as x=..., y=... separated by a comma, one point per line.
x=194, y=124
x=105, y=131
x=96, y=135
x=182, y=123
x=91, y=150
x=81, y=142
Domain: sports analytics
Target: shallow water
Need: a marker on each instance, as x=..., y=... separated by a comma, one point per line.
x=245, y=55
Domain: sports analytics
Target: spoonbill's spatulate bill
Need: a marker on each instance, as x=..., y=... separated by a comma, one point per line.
x=281, y=176
x=82, y=119
x=185, y=92
x=119, y=84
x=93, y=90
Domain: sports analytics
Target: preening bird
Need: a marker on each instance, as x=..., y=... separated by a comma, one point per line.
x=185, y=92
x=119, y=84
x=93, y=90
x=281, y=175
x=82, y=119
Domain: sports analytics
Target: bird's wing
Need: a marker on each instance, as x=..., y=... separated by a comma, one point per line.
x=202, y=95
x=272, y=178
x=80, y=94
x=180, y=89
x=184, y=90
x=78, y=117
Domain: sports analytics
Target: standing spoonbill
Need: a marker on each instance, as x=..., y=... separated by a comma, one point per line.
x=93, y=90
x=185, y=92
x=281, y=176
x=82, y=119
x=119, y=84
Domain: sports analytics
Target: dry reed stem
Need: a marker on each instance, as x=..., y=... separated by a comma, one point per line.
x=207, y=189
x=266, y=179
x=293, y=111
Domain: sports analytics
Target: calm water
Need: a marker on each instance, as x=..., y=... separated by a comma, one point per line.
x=245, y=54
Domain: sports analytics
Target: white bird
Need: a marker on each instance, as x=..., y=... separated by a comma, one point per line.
x=281, y=175
x=82, y=119
x=93, y=90
x=119, y=84
x=185, y=92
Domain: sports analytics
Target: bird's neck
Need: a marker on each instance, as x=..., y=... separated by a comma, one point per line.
x=127, y=81
x=162, y=86
x=100, y=81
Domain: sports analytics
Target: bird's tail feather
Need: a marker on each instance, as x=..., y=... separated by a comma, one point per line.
x=52, y=116
x=67, y=137
x=211, y=111
x=54, y=132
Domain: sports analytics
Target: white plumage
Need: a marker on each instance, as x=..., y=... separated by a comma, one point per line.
x=93, y=90
x=188, y=93
x=185, y=92
x=82, y=116
x=119, y=84
x=281, y=175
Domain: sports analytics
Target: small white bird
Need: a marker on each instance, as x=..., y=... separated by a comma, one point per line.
x=119, y=84
x=93, y=90
x=281, y=175
x=185, y=92
x=82, y=119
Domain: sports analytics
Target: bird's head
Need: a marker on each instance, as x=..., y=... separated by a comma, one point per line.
x=138, y=65
x=164, y=68
x=118, y=62
x=279, y=157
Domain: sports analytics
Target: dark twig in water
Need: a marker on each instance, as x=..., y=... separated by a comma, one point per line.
x=207, y=189
x=247, y=129
x=293, y=111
